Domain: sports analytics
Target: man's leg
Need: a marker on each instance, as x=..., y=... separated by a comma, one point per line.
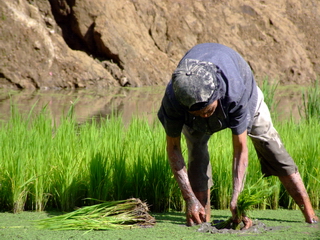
x=275, y=160
x=295, y=187
x=204, y=199
x=199, y=167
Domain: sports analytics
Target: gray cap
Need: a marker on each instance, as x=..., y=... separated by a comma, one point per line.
x=195, y=83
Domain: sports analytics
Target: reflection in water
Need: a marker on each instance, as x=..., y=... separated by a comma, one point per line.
x=97, y=104
x=88, y=104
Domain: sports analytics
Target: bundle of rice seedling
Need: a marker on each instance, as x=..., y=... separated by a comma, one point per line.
x=120, y=214
x=250, y=196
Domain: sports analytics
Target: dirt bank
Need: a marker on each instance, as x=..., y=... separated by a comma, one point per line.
x=86, y=44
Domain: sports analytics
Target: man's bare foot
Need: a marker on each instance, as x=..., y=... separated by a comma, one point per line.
x=313, y=220
x=247, y=222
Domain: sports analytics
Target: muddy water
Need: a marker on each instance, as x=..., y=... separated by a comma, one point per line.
x=88, y=104
x=98, y=104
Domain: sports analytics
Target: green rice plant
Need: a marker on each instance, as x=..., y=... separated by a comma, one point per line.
x=104, y=164
x=13, y=176
x=149, y=173
x=17, y=177
x=67, y=187
x=99, y=177
x=272, y=201
x=311, y=106
x=120, y=214
x=251, y=196
x=36, y=149
x=48, y=165
x=302, y=142
x=254, y=174
x=220, y=151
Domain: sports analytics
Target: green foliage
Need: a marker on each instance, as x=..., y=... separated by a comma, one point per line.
x=120, y=214
x=253, y=195
x=48, y=165
x=220, y=149
x=302, y=142
x=311, y=106
x=57, y=166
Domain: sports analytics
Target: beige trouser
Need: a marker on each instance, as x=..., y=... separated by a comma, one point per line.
x=274, y=158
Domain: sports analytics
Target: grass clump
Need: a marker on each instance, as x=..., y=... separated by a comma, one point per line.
x=119, y=214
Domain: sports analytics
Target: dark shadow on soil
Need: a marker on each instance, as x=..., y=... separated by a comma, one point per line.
x=258, y=227
x=174, y=218
x=278, y=220
x=225, y=217
x=53, y=213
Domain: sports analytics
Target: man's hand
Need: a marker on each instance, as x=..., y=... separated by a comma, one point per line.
x=238, y=219
x=195, y=212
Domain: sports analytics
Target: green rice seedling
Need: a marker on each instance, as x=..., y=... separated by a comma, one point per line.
x=103, y=148
x=120, y=214
x=252, y=195
x=302, y=142
x=220, y=150
x=36, y=149
x=115, y=153
x=47, y=165
x=67, y=160
x=254, y=174
x=148, y=171
x=311, y=106
x=98, y=177
x=16, y=177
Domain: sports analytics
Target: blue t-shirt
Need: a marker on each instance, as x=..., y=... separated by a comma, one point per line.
x=237, y=105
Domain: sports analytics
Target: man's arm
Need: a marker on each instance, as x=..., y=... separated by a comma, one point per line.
x=239, y=167
x=195, y=212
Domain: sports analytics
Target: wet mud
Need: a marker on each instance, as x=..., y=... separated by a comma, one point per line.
x=258, y=227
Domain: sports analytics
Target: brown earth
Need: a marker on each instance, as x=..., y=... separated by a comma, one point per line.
x=86, y=44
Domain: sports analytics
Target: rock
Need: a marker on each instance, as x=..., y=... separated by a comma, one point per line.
x=72, y=44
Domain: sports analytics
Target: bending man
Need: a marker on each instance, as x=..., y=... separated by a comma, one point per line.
x=213, y=88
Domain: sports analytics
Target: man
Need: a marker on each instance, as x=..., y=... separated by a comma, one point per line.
x=213, y=88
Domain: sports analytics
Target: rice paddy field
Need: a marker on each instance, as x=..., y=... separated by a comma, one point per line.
x=281, y=224
x=48, y=167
